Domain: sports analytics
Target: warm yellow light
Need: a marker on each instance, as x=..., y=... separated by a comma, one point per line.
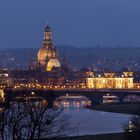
x=33, y=93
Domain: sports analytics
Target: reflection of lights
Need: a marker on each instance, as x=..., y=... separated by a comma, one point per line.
x=72, y=101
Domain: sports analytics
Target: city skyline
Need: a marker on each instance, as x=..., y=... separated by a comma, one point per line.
x=78, y=23
x=69, y=69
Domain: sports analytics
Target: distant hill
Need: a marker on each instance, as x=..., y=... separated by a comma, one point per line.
x=96, y=57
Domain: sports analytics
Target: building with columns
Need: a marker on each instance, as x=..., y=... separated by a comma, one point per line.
x=106, y=80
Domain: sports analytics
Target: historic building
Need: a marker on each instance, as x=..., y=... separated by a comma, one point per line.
x=47, y=72
x=122, y=80
x=5, y=78
x=47, y=55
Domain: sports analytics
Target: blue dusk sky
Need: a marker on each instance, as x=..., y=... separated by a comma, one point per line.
x=79, y=23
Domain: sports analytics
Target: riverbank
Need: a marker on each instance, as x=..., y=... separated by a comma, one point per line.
x=117, y=136
x=118, y=108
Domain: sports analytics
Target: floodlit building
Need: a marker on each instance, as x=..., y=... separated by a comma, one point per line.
x=47, y=54
x=5, y=78
x=48, y=72
x=112, y=80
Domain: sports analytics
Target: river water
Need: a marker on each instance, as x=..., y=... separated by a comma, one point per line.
x=90, y=122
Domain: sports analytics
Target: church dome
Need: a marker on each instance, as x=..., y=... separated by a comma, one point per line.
x=47, y=50
x=42, y=56
x=45, y=53
x=53, y=63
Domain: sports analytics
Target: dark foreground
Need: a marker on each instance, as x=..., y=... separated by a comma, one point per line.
x=118, y=136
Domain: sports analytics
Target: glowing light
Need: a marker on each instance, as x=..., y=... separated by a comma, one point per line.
x=33, y=93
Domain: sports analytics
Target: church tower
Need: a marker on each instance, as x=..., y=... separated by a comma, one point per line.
x=64, y=61
x=47, y=54
x=32, y=63
x=48, y=34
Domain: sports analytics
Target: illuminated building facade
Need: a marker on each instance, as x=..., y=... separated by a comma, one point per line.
x=47, y=55
x=5, y=78
x=107, y=80
x=47, y=72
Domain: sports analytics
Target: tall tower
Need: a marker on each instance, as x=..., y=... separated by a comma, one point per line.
x=64, y=61
x=48, y=34
x=48, y=51
x=32, y=63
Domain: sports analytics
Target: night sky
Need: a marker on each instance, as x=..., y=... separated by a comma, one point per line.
x=79, y=23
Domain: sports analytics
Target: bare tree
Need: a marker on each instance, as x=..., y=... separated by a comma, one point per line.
x=3, y=123
x=43, y=121
x=32, y=120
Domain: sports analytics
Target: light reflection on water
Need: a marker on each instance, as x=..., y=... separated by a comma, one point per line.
x=90, y=122
x=72, y=102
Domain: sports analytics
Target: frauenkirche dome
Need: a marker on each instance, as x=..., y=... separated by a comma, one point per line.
x=52, y=63
x=47, y=51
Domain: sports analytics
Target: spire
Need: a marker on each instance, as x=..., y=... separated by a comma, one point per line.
x=64, y=61
x=47, y=28
x=32, y=62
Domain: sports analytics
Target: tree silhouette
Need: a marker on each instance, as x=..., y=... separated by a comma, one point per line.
x=32, y=120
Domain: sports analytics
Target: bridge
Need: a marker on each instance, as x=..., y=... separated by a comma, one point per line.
x=50, y=95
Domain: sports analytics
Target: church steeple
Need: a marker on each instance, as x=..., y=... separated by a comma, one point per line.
x=64, y=61
x=32, y=63
x=47, y=33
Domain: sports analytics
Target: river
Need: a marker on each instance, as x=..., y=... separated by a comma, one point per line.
x=90, y=122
